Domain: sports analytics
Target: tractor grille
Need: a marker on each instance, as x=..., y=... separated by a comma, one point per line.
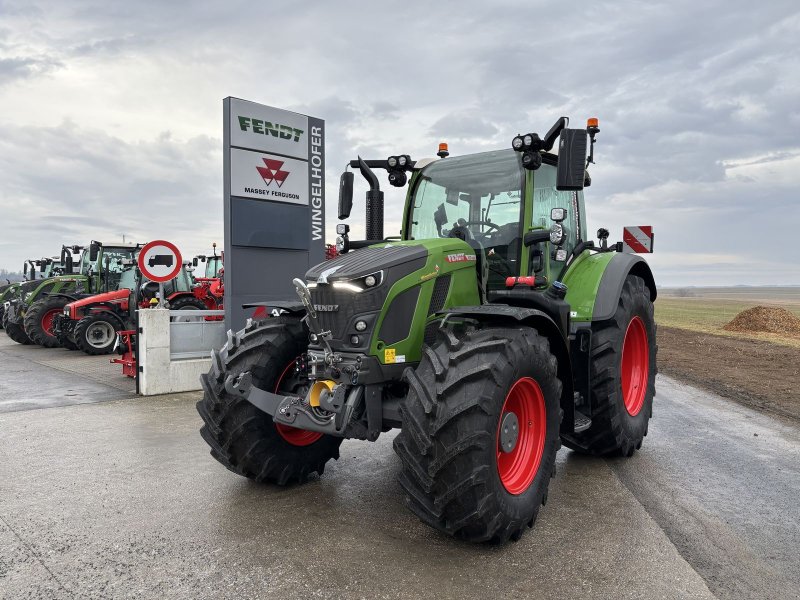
x=349, y=305
x=440, y=289
x=430, y=332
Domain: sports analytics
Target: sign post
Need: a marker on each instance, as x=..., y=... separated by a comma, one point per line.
x=160, y=261
x=274, y=203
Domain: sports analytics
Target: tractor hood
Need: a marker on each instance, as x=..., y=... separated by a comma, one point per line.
x=116, y=297
x=106, y=297
x=389, y=290
x=359, y=263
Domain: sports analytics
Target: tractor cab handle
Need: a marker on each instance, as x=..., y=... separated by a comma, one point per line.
x=536, y=237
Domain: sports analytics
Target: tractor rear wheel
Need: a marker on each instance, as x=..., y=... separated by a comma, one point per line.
x=244, y=439
x=96, y=333
x=623, y=376
x=16, y=332
x=480, y=433
x=38, y=321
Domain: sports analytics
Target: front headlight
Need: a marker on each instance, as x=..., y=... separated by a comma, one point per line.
x=362, y=283
x=66, y=311
x=26, y=296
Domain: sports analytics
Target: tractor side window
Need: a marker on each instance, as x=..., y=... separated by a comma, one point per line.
x=546, y=197
x=430, y=198
x=213, y=266
x=127, y=279
x=85, y=264
x=182, y=281
x=115, y=259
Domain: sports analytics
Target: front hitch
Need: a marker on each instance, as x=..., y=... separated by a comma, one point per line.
x=298, y=412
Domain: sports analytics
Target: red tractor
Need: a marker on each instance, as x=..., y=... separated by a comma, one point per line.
x=92, y=323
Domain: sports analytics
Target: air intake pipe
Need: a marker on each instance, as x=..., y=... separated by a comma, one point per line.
x=374, y=202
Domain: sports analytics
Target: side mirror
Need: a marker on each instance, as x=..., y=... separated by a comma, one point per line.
x=94, y=251
x=571, y=170
x=440, y=218
x=194, y=261
x=345, y=194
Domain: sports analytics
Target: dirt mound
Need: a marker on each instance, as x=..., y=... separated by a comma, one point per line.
x=770, y=319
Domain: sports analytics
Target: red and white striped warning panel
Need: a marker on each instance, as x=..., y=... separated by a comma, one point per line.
x=637, y=239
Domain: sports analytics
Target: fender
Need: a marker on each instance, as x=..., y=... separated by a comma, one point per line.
x=594, y=283
x=68, y=297
x=613, y=279
x=545, y=325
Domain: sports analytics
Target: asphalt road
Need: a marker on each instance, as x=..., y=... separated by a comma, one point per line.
x=120, y=499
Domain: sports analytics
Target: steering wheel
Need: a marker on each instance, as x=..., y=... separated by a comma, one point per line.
x=487, y=223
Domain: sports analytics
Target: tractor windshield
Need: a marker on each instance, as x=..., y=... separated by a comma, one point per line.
x=480, y=192
x=127, y=279
x=213, y=265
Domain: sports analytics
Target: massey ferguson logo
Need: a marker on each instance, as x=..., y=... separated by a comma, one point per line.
x=326, y=307
x=272, y=171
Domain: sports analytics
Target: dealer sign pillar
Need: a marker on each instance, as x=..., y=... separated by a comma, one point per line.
x=274, y=203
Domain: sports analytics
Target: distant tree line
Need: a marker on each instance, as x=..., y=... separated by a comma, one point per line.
x=12, y=276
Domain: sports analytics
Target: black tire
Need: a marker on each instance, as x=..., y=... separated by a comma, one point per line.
x=243, y=438
x=96, y=333
x=187, y=303
x=614, y=429
x=66, y=341
x=16, y=332
x=38, y=320
x=449, y=441
x=2, y=312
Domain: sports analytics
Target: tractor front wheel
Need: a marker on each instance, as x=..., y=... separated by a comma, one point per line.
x=623, y=376
x=16, y=332
x=96, y=333
x=244, y=439
x=39, y=320
x=66, y=341
x=480, y=433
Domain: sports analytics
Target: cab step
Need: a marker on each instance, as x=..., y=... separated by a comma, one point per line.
x=582, y=422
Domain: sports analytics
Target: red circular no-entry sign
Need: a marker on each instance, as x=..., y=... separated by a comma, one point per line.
x=160, y=261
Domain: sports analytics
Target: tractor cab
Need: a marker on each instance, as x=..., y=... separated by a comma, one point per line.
x=481, y=198
x=213, y=263
x=107, y=261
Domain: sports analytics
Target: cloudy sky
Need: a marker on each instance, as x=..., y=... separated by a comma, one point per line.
x=111, y=112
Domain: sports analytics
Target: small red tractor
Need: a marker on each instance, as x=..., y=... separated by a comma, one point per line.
x=92, y=323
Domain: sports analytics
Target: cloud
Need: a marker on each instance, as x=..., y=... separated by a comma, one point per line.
x=12, y=69
x=111, y=107
x=69, y=184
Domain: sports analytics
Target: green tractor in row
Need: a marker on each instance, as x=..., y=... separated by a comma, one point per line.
x=490, y=332
x=29, y=313
x=32, y=270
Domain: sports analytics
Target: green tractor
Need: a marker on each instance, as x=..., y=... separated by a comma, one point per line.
x=30, y=312
x=490, y=332
x=47, y=267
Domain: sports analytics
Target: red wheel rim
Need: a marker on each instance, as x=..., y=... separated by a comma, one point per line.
x=518, y=468
x=293, y=435
x=635, y=366
x=47, y=321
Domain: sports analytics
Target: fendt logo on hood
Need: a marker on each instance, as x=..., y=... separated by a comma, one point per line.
x=272, y=171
